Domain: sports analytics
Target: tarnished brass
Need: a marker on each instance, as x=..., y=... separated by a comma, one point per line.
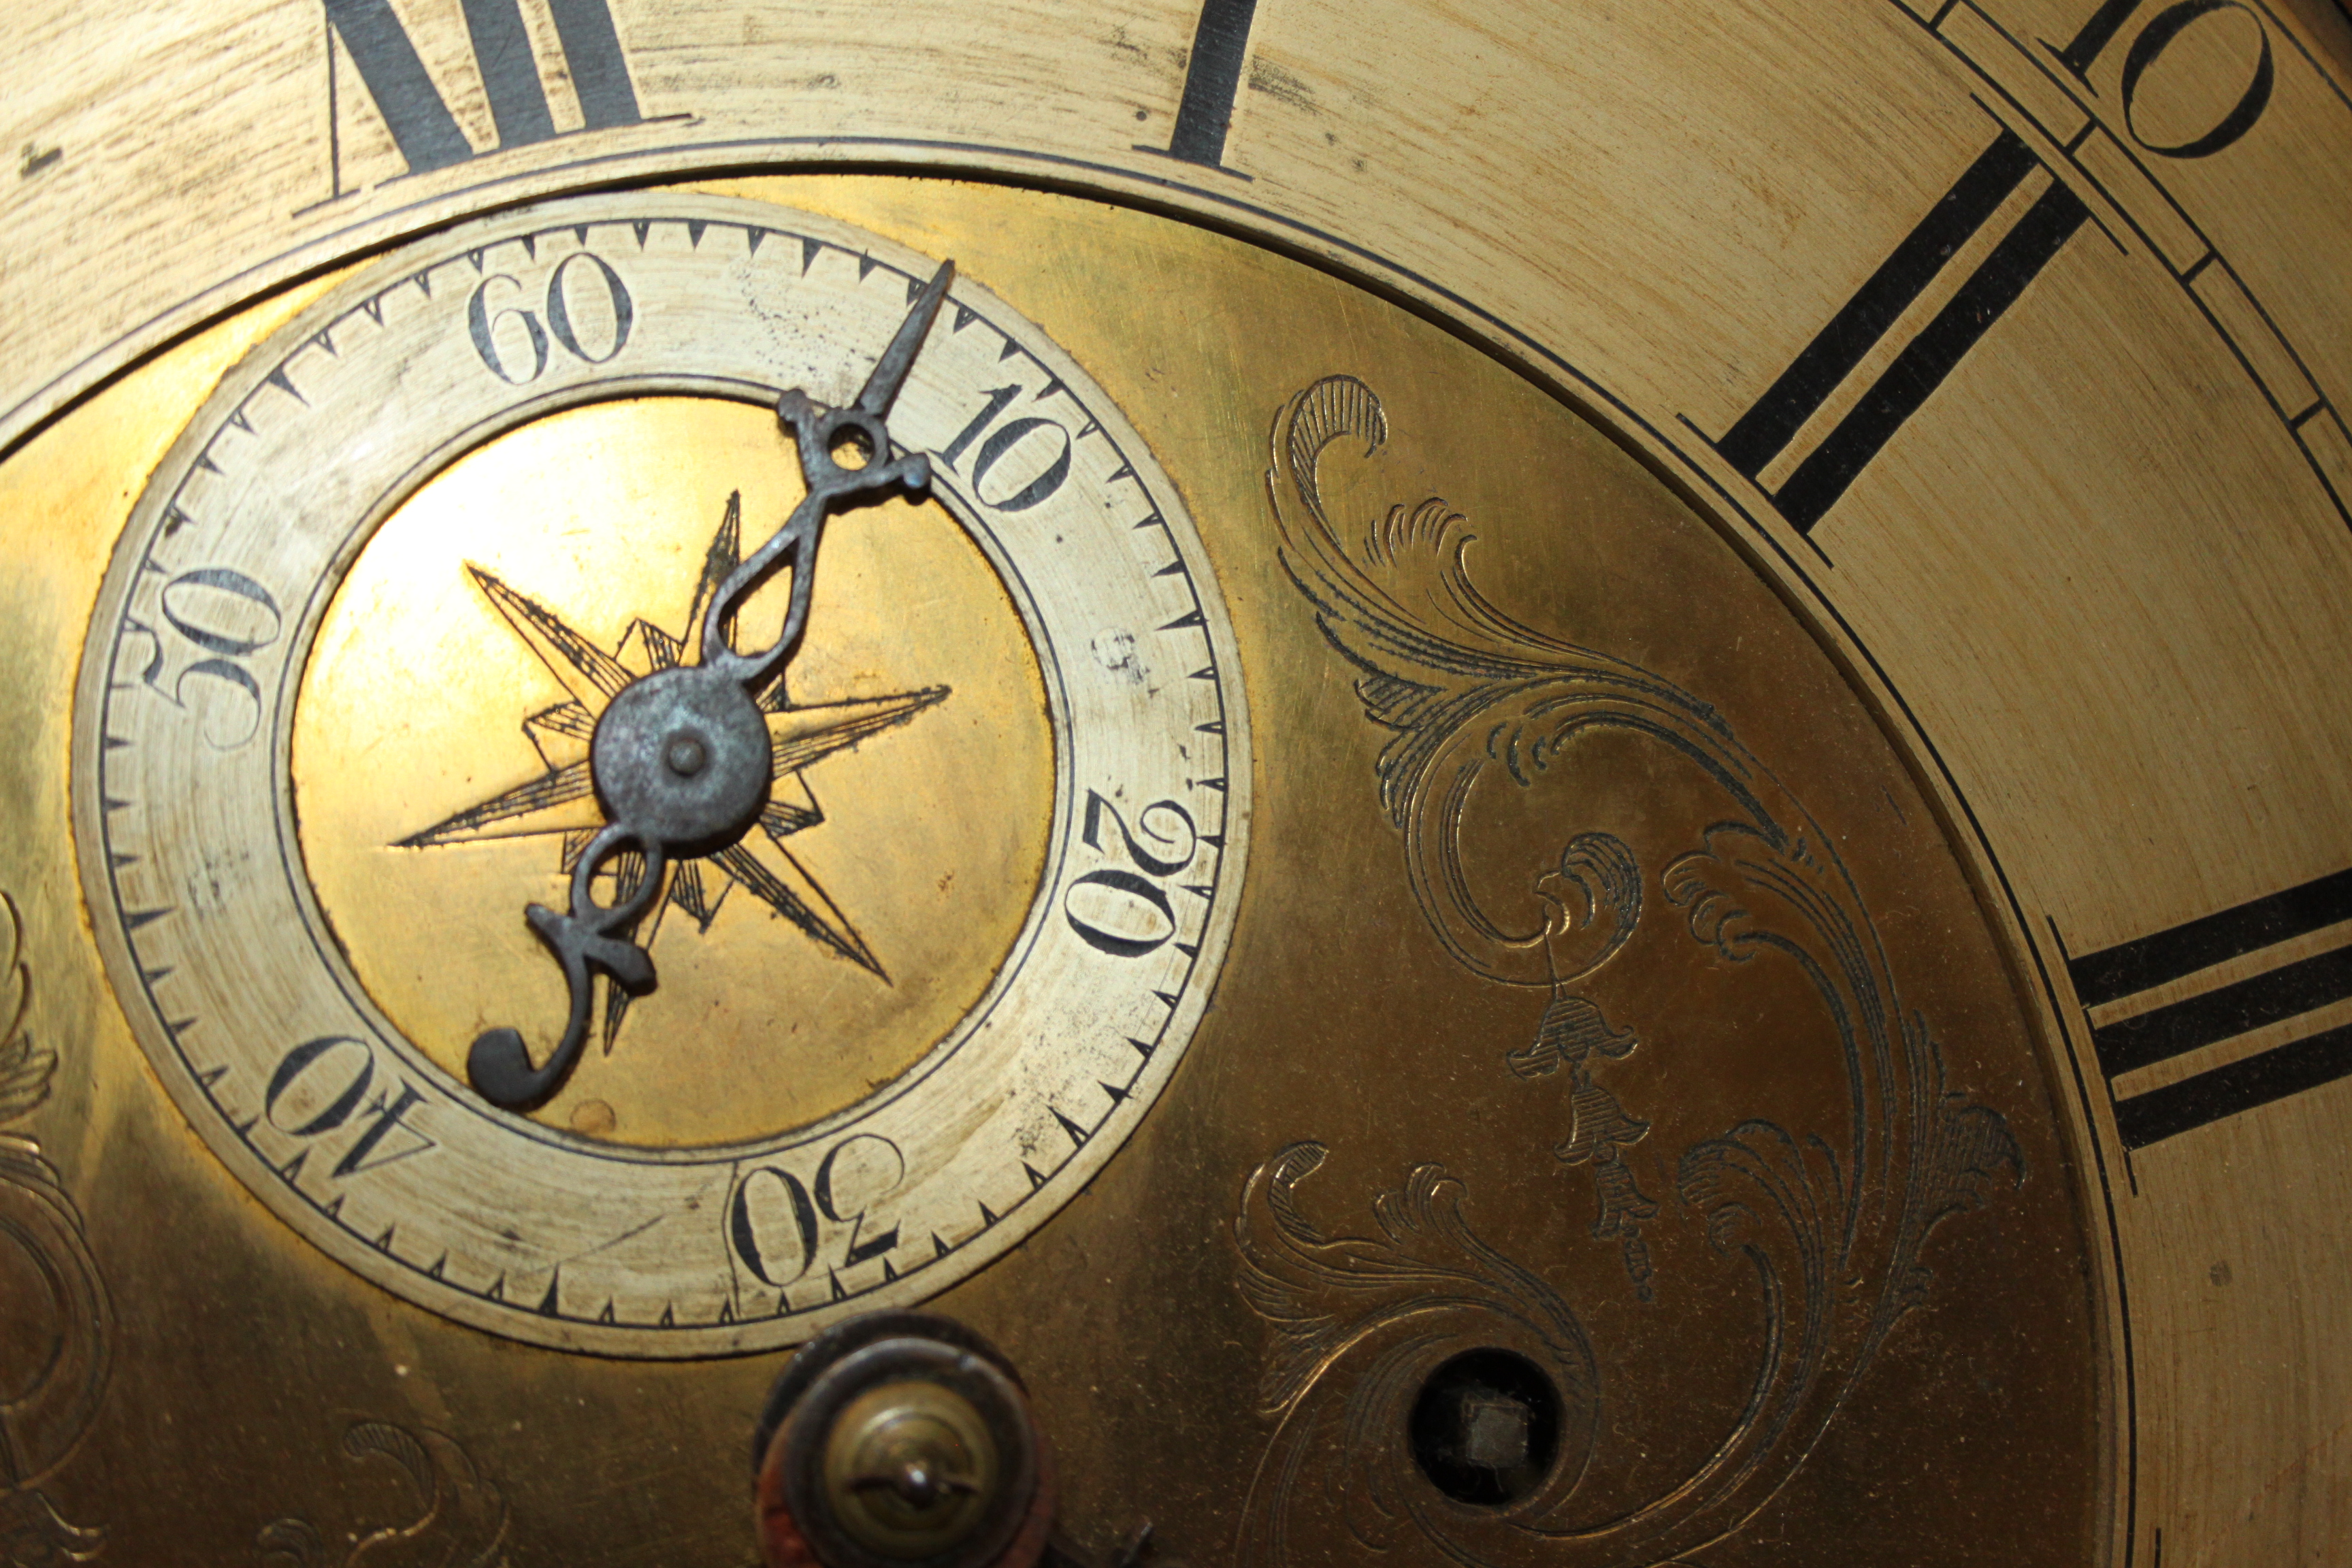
x=1604, y=992
x=757, y=1027
x=910, y=1469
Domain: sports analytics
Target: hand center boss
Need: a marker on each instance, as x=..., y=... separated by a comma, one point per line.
x=681, y=757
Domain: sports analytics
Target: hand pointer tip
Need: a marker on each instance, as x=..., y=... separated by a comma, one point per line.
x=890, y=370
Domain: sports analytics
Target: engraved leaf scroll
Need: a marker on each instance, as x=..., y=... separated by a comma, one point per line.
x=1831, y=1221
x=459, y=1516
x=47, y=1400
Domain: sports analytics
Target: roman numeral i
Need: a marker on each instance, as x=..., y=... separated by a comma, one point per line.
x=2279, y=998
x=421, y=127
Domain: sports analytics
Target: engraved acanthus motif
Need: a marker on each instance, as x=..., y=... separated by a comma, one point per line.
x=1833, y=1222
x=46, y=1406
x=460, y=1519
x=1359, y=1322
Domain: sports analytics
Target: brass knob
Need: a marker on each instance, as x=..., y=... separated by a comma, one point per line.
x=910, y=1469
x=900, y=1438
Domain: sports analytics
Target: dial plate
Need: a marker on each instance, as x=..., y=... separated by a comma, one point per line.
x=362, y=1136
x=2095, y=574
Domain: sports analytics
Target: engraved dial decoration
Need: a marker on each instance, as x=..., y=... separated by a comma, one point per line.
x=365, y=659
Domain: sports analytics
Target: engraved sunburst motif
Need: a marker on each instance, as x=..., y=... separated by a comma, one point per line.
x=562, y=801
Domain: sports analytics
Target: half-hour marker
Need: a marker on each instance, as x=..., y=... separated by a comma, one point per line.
x=1770, y=427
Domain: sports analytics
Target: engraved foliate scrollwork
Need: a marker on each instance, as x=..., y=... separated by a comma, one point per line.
x=1831, y=1221
x=26, y=1065
x=460, y=1519
x=1359, y=1322
x=60, y=1309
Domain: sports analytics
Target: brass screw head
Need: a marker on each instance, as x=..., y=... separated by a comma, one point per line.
x=910, y=1469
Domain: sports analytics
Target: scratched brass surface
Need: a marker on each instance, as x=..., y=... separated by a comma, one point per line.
x=1908, y=1301
x=413, y=710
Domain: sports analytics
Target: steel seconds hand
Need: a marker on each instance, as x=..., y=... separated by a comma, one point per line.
x=681, y=757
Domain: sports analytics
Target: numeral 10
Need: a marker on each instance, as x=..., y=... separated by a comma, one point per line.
x=2161, y=33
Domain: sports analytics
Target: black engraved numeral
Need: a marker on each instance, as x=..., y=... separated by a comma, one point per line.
x=421, y=124
x=421, y=127
x=1114, y=909
x=2213, y=1015
x=323, y=1086
x=1765, y=431
x=1212, y=81
x=228, y=616
x=2097, y=34
x=486, y=320
x=772, y=1216
x=2163, y=29
x=600, y=76
x=770, y=1208
x=998, y=397
x=860, y=1248
x=1039, y=471
x=370, y=1149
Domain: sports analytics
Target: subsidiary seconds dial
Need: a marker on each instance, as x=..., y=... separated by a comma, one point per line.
x=339, y=724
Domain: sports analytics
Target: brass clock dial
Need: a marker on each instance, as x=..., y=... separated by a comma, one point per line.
x=1570, y=788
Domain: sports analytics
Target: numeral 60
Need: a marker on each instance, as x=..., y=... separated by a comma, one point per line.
x=486, y=322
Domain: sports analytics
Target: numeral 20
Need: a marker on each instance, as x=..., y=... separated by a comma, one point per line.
x=1117, y=910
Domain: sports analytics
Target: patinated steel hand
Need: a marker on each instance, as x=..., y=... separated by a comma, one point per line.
x=681, y=757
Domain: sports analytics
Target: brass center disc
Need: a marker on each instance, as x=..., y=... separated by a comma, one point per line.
x=814, y=961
